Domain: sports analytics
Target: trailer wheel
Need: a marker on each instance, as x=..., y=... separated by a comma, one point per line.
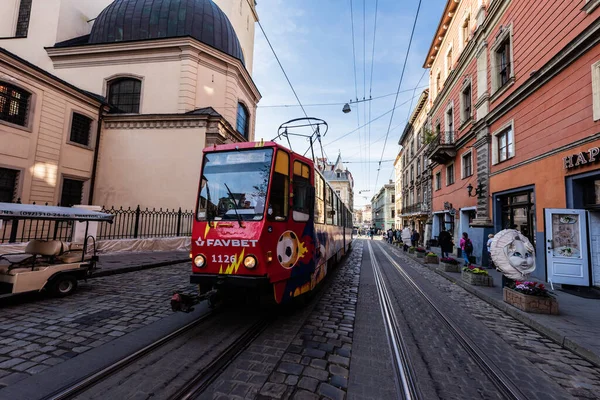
x=63, y=285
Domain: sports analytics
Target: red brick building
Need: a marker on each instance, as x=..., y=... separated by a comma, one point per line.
x=515, y=112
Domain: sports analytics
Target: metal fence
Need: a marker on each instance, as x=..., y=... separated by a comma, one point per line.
x=128, y=223
x=137, y=223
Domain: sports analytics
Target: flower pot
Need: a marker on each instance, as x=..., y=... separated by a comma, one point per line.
x=411, y=251
x=420, y=255
x=431, y=260
x=477, y=279
x=449, y=267
x=532, y=304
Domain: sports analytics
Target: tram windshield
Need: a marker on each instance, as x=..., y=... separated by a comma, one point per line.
x=234, y=185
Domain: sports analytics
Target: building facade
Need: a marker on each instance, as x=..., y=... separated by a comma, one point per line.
x=383, y=209
x=515, y=108
x=341, y=181
x=415, y=171
x=398, y=179
x=170, y=88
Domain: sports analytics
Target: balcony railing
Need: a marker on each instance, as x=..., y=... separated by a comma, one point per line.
x=442, y=148
x=415, y=209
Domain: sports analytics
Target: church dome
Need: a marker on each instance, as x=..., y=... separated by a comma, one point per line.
x=125, y=20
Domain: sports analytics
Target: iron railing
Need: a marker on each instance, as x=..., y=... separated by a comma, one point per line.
x=128, y=223
x=415, y=208
x=137, y=223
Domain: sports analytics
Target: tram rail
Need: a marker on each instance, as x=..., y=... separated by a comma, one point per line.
x=504, y=385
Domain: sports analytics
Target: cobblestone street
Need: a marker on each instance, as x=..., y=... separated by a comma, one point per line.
x=39, y=334
x=579, y=377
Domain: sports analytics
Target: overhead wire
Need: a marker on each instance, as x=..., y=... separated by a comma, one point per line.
x=371, y=87
x=354, y=63
x=399, y=85
x=323, y=153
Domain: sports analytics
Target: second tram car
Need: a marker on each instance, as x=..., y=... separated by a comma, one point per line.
x=266, y=218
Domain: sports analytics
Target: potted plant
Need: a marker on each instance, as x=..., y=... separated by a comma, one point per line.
x=411, y=250
x=449, y=264
x=530, y=297
x=431, y=258
x=476, y=276
x=420, y=252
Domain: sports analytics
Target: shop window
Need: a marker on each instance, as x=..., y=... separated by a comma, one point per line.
x=502, y=59
x=14, y=104
x=465, y=103
x=438, y=181
x=8, y=185
x=242, y=120
x=467, y=165
x=518, y=212
x=302, y=198
x=319, y=200
x=72, y=192
x=80, y=129
x=279, y=199
x=124, y=95
x=591, y=194
x=450, y=174
x=23, y=18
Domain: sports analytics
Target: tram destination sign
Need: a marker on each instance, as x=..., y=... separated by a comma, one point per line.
x=582, y=158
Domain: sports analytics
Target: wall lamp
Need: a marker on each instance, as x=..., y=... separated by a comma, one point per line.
x=479, y=190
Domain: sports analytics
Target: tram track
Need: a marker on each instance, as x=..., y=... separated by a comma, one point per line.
x=112, y=381
x=503, y=385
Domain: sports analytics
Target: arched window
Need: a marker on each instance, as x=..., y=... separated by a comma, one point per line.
x=124, y=95
x=242, y=120
x=14, y=103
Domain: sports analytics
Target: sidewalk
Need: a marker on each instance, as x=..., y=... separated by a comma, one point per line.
x=118, y=263
x=576, y=328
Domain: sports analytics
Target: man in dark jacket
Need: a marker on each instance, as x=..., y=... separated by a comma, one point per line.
x=445, y=240
x=415, y=238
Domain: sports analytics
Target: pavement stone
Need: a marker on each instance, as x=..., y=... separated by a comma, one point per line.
x=316, y=349
x=523, y=342
x=50, y=331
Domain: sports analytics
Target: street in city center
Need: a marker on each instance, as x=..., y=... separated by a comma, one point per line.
x=300, y=199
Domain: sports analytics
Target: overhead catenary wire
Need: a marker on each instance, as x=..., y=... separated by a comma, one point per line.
x=399, y=85
x=371, y=87
x=354, y=63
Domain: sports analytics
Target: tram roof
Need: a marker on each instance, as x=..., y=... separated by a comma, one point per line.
x=253, y=145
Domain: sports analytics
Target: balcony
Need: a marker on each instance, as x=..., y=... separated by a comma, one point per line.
x=415, y=209
x=442, y=148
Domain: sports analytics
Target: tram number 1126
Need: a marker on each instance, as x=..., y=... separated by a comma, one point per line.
x=223, y=258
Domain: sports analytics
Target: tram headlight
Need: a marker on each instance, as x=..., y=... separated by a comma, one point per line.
x=250, y=262
x=200, y=261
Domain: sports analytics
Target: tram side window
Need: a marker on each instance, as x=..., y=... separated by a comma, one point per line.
x=279, y=200
x=319, y=200
x=301, y=184
x=329, y=206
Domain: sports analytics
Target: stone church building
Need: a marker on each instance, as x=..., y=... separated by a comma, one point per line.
x=110, y=102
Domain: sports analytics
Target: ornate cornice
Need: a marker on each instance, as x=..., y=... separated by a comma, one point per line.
x=154, y=124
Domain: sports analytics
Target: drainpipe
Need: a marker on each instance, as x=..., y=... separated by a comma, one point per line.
x=96, y=149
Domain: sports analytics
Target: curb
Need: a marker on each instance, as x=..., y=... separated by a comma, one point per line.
x=124, y=270
x=550, y=333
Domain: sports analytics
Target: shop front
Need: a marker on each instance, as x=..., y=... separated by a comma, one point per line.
x=555, y=202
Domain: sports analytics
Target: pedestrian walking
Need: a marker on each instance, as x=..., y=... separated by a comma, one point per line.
x=467, y=248
x=489, y=249
x=415, y=238
x=446, y=245
x=390, y=235
x=406, y=238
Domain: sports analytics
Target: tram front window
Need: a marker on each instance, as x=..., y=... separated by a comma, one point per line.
x=234, y=183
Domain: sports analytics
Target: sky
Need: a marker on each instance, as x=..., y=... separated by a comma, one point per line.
x=313, y=40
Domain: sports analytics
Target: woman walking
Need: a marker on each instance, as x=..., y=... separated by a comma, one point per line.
x=445, y=243
x=467, y=248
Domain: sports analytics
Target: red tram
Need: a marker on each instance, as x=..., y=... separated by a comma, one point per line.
x=265, y=219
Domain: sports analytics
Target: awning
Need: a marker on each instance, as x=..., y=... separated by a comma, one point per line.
x=32, y=211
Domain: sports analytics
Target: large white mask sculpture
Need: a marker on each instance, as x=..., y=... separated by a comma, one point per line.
x=513, y=254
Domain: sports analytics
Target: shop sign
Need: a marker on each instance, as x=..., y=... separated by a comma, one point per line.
x=582, y=158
